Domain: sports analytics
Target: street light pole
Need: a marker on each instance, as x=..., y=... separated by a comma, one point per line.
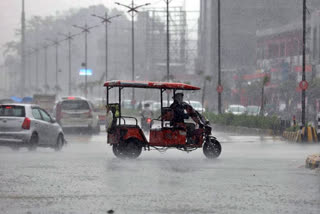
x=45, y=49
x=219, y=57
x=168, y=42
x=36, y=51
x=85, y=29
x=56, y=43
x=23, y=57
x=69, y=37
x=132, y=10
x=303, y=95
x=106, y=19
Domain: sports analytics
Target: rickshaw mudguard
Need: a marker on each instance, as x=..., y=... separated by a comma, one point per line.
x=124, y=132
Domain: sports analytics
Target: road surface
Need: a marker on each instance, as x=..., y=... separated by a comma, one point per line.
x=252, y=175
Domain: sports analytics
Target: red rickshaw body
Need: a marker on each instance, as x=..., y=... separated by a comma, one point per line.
x=123, y=133
x=167, y=137
x=164, y=136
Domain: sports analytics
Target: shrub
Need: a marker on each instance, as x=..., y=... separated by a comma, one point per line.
x=244, y=120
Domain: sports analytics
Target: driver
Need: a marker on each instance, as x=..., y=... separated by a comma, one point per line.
x=179, y=107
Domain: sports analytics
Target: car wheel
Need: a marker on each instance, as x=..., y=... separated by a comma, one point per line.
x=212, y=149
x=33, y=143
x=59, y=143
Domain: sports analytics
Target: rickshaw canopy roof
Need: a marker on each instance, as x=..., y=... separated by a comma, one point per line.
x=149, y=84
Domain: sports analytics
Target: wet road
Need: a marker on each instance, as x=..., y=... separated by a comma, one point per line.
x=252, y=175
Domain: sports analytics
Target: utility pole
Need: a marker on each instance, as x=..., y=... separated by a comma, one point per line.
x=219, y=58
x=56, y=43
x=303, y=95
x=69, y=38
x=45, y=51
x=168, y=41
x=133, y=9
x=168, y=45
x=36, y=51
x=106, y=20
x=23, y=59
x=85, y=29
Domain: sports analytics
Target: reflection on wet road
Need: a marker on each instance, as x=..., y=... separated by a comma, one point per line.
x=253, y=175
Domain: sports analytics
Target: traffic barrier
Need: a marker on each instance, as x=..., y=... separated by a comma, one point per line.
x=313, y=161
x=291, y=136
x=308, y=134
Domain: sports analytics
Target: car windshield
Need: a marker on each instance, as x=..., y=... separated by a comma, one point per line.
x=12, y=111
x=75, y=105
x=253, y=109
x=196, y=105
x=237, y=108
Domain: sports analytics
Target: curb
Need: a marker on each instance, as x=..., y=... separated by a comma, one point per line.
x=313, y=161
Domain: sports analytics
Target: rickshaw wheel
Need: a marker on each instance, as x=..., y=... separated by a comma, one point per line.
x=118, y=150
x=133, y=148
x=130, y=149
x=212, y=149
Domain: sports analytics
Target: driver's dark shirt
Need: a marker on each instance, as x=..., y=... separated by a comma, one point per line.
x=178, y=112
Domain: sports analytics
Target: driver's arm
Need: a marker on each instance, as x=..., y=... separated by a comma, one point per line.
x=191, y=112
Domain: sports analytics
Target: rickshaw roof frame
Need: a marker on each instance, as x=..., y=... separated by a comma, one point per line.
x=149, y=84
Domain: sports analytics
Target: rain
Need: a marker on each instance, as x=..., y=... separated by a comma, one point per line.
x=160, y=106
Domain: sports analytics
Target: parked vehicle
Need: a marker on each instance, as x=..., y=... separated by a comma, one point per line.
x=253, y=110
x=28, y=125
x=100, y=108
x=127, y=140
x=77, y=112
x=236, y=109
x=197, y=106
x=128, y=104
x=6, y=100
x=45, y=101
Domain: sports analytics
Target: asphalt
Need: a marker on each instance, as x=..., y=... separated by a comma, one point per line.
x=252, y=175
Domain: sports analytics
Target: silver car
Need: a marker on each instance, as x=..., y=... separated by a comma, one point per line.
x=77, y=112
x=29, y=126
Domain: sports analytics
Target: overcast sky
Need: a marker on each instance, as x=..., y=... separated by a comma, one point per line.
x=11, y=11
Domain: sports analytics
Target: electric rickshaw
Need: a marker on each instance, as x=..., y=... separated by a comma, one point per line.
x=128, y=140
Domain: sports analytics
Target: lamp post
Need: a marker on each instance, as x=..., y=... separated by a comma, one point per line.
x=85, y=29
x=56, y=43
x=132, y=10
x=23, y=57
x=219, y=58
x=36, y=51
x=106, y=19
x=69, y=38
x=45, y=52
x=303, y=92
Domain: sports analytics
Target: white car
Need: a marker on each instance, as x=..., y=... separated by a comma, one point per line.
x=197, y=106
x=253, y=110
x=77, y=112
x=236, y=109
x=29, y=126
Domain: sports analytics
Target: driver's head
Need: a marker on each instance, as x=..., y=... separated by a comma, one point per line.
x=178, y=97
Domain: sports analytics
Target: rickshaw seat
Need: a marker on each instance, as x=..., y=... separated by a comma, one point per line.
x=167, y=114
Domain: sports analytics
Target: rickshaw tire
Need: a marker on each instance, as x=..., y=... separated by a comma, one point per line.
x=130, y=149
x=212, y=149
x=118, y=150
x=133, y=148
